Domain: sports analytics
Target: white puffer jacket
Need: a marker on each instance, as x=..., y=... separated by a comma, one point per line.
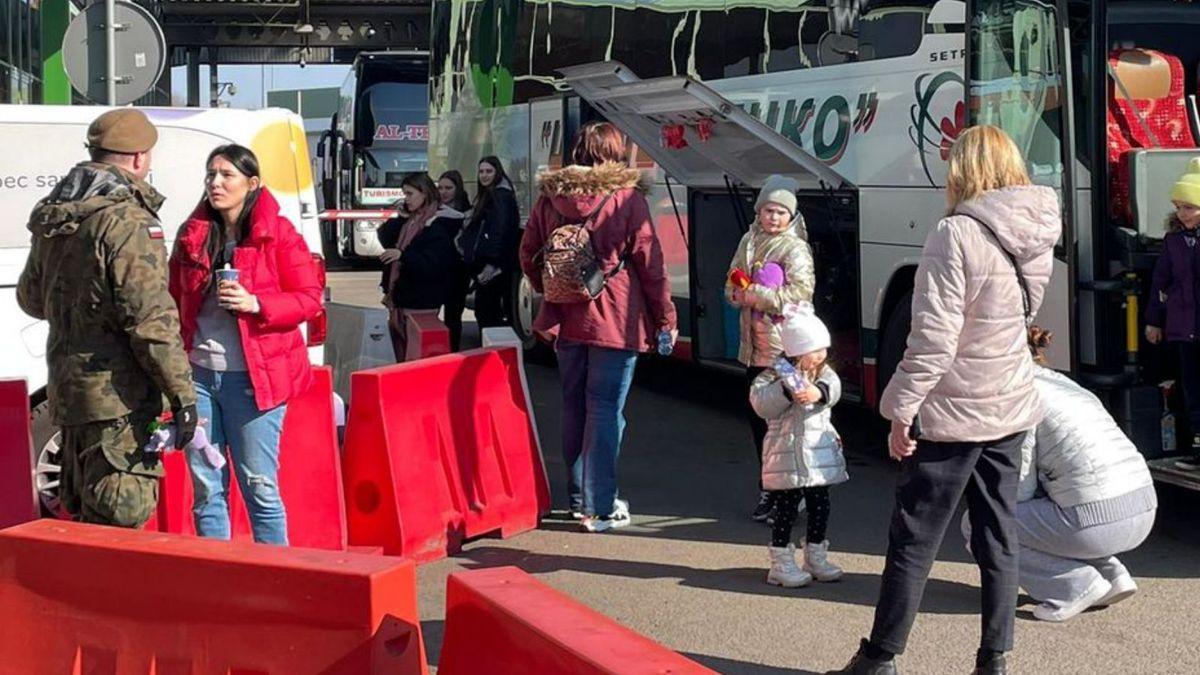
x=967, y=369
x=802, y=449
x=1077, y=454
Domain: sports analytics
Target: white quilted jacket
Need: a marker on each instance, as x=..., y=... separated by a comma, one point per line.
x=802, y=449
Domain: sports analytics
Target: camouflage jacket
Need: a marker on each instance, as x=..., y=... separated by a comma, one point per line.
x=97, y=272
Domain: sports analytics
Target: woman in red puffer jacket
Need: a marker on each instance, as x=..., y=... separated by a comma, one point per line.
x=243, y=336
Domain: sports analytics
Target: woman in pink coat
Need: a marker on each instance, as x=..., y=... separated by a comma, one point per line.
x=967, y=375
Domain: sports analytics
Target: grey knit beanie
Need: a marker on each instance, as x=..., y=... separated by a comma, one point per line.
x=779, y=190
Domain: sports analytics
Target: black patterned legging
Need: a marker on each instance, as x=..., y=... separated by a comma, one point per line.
x=785, y=504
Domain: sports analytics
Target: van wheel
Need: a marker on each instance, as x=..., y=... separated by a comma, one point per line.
x=47, y=461
x=895, y=337
x=523, y=304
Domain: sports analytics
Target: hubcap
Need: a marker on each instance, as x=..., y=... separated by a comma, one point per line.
x=48, y=474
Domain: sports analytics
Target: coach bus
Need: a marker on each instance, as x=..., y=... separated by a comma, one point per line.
x=859, y=100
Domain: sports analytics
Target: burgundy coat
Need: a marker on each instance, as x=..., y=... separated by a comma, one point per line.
x=276, y=267
x=1173, y=292
x=636, y=302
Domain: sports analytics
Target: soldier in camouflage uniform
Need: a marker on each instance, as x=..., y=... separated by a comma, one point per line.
x=97, y=273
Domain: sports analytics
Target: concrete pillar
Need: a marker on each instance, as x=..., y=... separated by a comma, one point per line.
x=193, y=77
x=214, y=85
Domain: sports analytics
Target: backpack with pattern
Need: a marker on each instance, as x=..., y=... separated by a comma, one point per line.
x=570, y=271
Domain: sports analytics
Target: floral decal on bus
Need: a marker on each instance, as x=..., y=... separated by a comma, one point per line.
x=927, y=132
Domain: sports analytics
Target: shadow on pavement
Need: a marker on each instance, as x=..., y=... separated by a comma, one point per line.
x=731, y=667
x=941, y=596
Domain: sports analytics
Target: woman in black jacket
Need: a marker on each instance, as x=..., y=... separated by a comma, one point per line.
x=489, y=243
x=418, y=257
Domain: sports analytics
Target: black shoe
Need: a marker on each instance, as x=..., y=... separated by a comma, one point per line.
x=861, y=664
x=764, y=508
x=1188, y=463
x=996, y=665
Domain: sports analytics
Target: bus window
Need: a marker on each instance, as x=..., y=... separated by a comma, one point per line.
x=1016, y=82
x=394, y=122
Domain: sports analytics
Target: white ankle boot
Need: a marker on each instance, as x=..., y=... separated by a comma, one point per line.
x=784, y=571
x=817, y=564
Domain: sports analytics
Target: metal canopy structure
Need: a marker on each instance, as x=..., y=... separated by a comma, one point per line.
x=275, y=31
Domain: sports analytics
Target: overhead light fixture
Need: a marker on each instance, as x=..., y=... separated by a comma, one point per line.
x=303, y=28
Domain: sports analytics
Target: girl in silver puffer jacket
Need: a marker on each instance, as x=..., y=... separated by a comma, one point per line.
x=802, y=452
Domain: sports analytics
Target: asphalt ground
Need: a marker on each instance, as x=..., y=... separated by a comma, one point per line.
x=690, y=572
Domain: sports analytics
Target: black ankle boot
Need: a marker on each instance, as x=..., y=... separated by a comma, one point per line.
x=994, y=664
x=861, y=664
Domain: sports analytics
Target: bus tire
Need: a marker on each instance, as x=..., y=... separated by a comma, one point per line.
x=895, y=337
x=47, y=461
x=523, y=306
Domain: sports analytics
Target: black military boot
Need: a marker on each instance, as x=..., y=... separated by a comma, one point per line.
x=992, y=663
x=861, y=664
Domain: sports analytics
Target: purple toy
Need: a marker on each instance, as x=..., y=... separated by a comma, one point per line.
x=769, y=275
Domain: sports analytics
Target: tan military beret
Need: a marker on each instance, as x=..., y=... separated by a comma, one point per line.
x=123, y=130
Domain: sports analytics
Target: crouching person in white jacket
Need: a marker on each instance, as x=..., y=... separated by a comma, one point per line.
x=1085, y=495
x=802, y=452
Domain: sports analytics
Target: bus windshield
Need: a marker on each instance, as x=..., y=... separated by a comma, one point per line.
x=393, y=125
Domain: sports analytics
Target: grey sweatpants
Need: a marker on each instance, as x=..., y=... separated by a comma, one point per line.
x=1059, y=560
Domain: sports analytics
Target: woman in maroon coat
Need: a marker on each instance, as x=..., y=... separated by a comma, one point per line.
x=597, y=341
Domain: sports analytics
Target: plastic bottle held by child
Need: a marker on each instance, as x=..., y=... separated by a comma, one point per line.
x=665, y=346
x=792, y=379
x=1169, y=442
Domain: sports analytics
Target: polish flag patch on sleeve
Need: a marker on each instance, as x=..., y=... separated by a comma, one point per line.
x=155, y=230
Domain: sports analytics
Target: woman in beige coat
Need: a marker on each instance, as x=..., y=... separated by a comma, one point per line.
x=775, y=265
x=968, y=376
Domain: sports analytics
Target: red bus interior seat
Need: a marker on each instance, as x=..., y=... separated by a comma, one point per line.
x=1154, y=82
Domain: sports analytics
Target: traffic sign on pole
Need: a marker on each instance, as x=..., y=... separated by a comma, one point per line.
x=114, y=52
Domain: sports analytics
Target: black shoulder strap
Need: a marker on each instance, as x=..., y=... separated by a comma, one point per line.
x=1016, y=268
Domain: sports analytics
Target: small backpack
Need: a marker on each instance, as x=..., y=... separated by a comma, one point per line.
x=570, y=271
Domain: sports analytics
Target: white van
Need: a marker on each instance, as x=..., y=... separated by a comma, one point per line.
x=41, y=143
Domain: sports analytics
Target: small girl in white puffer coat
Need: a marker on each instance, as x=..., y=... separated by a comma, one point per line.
x=802, y=453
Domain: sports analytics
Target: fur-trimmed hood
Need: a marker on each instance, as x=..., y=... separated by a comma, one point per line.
x=576, y=191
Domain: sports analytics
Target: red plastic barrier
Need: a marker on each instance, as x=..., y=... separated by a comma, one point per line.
x=427, y=336
x=310, y=477
x=106, y=601
x=441, y=449
x=501, y=620
x=18, y=499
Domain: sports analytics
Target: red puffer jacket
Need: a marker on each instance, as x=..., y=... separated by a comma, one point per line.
x=276, y=267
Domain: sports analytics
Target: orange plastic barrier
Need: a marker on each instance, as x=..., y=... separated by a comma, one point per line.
x=501, y=620
x=442, y=449
x=106, y=601
x=427, y=336
x=310, y=477
x=18, y=499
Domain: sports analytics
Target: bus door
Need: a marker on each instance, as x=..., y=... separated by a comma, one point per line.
x=715, y=156
x=1018, y=78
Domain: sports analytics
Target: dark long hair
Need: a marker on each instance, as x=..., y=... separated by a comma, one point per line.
x=484, y=196
x=246, y=162
x=461, y=201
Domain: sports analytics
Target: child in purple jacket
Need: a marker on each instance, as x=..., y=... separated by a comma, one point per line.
x=1174, y=294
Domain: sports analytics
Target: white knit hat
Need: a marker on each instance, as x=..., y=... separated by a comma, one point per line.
x=802, y=332
x=779, y=190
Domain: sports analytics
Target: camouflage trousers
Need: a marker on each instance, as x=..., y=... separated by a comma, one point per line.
x=105, y=477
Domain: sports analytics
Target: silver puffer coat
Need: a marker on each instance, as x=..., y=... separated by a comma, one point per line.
x=802, y=449
x=1077, y=454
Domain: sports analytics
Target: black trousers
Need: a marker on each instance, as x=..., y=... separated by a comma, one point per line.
x=758, y=426
x=491, y=301
x=455, y=305
x=932, y=482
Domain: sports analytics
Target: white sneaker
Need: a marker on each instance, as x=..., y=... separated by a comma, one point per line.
x=816, y=562
x=1061, y=612
x=783, y=569
x=1123, y=587
x=596, y=524
x=620, y=509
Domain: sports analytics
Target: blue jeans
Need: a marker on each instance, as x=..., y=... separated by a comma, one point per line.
x=595, y=383
x=225, y=403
